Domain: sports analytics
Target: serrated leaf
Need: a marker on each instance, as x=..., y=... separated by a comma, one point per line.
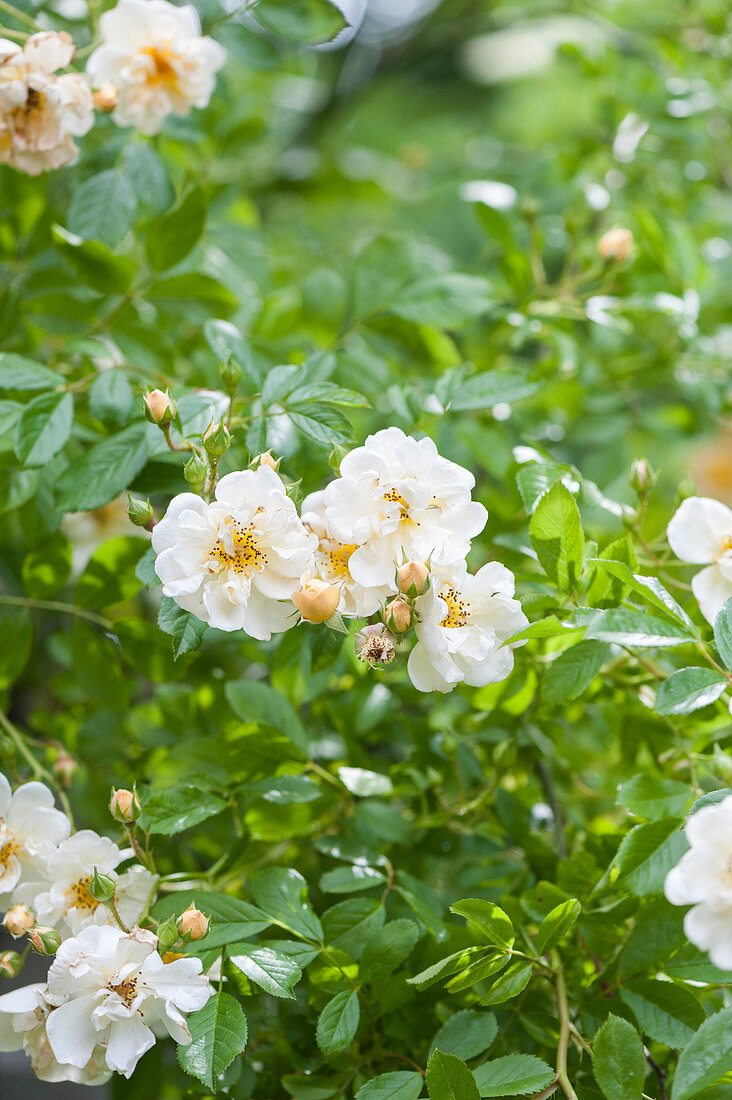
x=448, y=1078
x=103, y=208
x=723, y=634
x=104, y=471
x=633, y=628
x=111, y=397
x=170, y=812
x=43, y=428
x=689, y=689
x=218, y=1034
x=338, y=1023
x=387, y=949
x=650, y=588
x=466, y=1034
x=617, y=1060
x=513, y=1075
x=392, y=1086
x=667, y=1013
x=110, y=574
x=706, y=1058
x=365, y=783
x=572, y=672
x=490, y=919
x=556, y=924
x=647, y=854
x=254, y=701
x=556, y=534
x=509, y=984
x=282, y=893
x=171, y=236
x=267, y=968
x=19, y=373
x=184, y=628
x=654, y=798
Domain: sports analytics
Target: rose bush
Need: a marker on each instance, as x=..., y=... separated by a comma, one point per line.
x=364, y=691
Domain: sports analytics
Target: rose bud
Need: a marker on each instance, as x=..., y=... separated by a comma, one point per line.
x=316, y=600
x=124, y=805
x=217, y=439
x=46, y=941
x=616, y=244
x=412, y=578
x=231, y=374
x=375, y=645
x=266, y=459
x=102, y=887
x=159, y=407
x=195, y=472
x=642, y=476
x=19, y=920
x=106, y=98
x=167, y=933
x=192, y=924
x=11, y=964
x=140, y=512
x=398, y=616
x=65, y=768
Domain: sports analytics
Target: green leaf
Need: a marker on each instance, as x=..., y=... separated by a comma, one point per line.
x=350, y=880
x=109, y=576
x=267, y=968
x=218, y=1034
x=392, y=1086
x=43, y=428
x=350, y=924
x=103, y=471
x=654, y=798
x=509, y=984
x=103, y=208
x=452, y=964
x=617, y=1060
x=95, y=264
x=650, y=588
x=493, y=387
x=111, y=397
x=556, y=924
x=722, y=626
x=633, y=628
x=707, y=1057
x=321, y=424
x=254, y=701
x=667, y=1013
x=572, y=672
x=178, y=808
x=446, y=300
x=489, y=919
x=387, y=949
x=185, y=629
x=171, y=236
x=466, y=1034
x=647, y=854
x=556, y=534
x=282, y=893
x=19, y=373
x=689, y=689
x=227, y=342
x=309, y=21
x=365, y=783
x=17, y=635
x=310, y=1086
x=47, y=568
x=284, y=790
x=338, y=1023
x=232, y=921
x=513, y=1075
x=448, y=1078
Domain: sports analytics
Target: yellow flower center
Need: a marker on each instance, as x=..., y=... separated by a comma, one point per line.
x=79, y=897
x=127, y=990
x=457, y=608
x=246, y=558
x=7, y=850
x=726, y=544
x=163, y=68
x=338, y=555
x=395, y=497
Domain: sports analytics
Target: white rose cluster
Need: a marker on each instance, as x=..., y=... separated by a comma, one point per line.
x=701, y=533
x=109, y=993
x=388, y=539
x=152, y=61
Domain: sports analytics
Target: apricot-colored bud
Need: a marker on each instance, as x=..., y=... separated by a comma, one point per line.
x=106, y=98
x=192, y=924
x=125, y=805
x=159, y=407
x=65, y=768
x=11, y=964
x=616, y=244
x=19, y=920
x=412, y=577
x=46, y=941
x=398, y=616
x=266, y=459
x=317, y=600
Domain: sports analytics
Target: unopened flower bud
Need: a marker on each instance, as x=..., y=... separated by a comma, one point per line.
x=217, y=439
x=616, y=244
x=412, y=578
x=167, y=933
x=46, y=941
x=11, y=964
x=125, y=805
x=192, y=924
x=19, y=920
x=140, y=512
x=159, y=407
x=102, y=887
x=375, y=645
x=317, y=600
x=336, y=456
x=231, y=374
x=398, y=616
x=195, y=472
x=65, y=768
x=266, y=459
x=642, y=476
x=106, y=98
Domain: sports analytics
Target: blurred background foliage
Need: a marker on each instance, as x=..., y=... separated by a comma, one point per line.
x=411, y=212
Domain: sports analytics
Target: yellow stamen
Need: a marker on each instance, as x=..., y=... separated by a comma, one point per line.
x=457, y=608
x=247, y=557
x=79, y=896
x=164, y=71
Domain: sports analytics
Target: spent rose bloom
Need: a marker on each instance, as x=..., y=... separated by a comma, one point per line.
x=463, y=622
x=332, y=560
x=397, y=500
x=157, y=59
x=111, y=988
x=703, y=879
x=23, y=1015
x=63, y=900
x=30, y=829
x=701, y=533
x=232, y=562
x=41, y=112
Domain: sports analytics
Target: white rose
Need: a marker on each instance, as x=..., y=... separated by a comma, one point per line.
x=463, y=622
x=30, y=828
x=233, y=561
x=701, y=533
x=156, y=57
x=23, y=1016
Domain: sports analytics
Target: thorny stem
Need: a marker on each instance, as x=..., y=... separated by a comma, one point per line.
x=36, y=767
x=55, y=605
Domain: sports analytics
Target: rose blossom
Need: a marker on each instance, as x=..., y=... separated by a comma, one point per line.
x=30, y=828
x=701, y=533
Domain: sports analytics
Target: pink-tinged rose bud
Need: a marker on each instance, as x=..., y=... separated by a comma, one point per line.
x=412, y=577
x=266, y=459
x=159, y=407
x=192, y=924
x=124, y=805
x=398, y=616
x=106, y=98
x=46, y=941
x=616, y=244
x=11, y=964
x=317, y=600
x=18, y=921
x=65, y=768
x=375, y=645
